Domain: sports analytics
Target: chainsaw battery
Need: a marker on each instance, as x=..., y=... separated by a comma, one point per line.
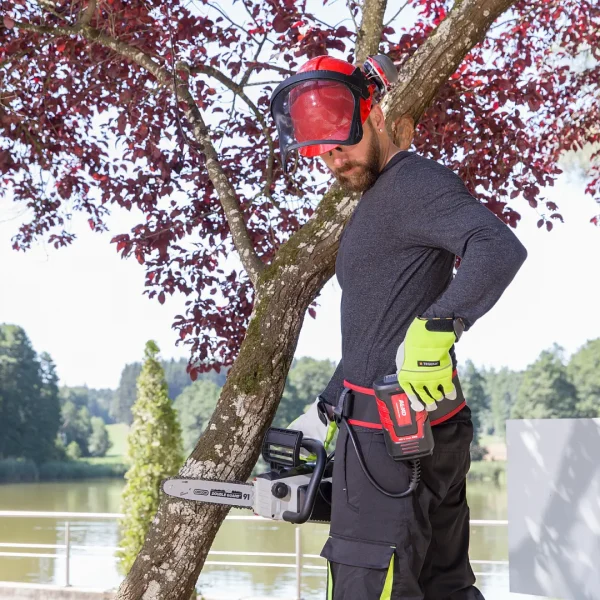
x=407, y=433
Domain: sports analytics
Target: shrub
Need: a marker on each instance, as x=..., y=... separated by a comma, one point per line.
x=18, y=470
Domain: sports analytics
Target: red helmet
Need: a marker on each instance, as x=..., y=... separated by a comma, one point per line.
x=321, y=107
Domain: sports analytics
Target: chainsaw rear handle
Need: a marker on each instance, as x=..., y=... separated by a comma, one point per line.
x=314, y=447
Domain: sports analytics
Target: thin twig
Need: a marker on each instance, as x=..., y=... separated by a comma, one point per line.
x=349, y=4
x=174, y=72
x=88, y=13
x=237, y=89
x=398, y=13
x=258, y=65
x=249, y=70
x=255, y=83
x=240, y=27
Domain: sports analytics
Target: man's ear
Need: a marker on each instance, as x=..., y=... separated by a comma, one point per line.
x=377, y=117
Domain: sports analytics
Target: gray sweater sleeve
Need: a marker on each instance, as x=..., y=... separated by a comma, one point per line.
x=439, y=211
x=335, y=386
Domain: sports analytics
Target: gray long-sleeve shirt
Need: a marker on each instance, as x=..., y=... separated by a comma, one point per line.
x=396, y=259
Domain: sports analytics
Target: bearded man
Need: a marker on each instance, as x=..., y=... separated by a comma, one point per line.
x=402, y=310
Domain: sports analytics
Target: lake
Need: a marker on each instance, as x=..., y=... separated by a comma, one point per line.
x=97, y=569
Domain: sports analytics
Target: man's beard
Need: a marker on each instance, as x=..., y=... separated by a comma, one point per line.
x=366, y=173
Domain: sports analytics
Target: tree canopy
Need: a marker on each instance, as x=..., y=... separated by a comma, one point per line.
x=154, y=451
x=584, y=371
x=546, y=391
x=29, y=404
x=177, y=380
x=162, y=106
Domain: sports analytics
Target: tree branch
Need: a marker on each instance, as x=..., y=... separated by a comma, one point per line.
x=398, y=13
x=369, y=35
x=239, y=90
x=257, y=65
x=227, y=195
x=433, y=63
x=88, y=13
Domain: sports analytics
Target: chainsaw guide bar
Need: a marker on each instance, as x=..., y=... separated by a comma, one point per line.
x=236, y=494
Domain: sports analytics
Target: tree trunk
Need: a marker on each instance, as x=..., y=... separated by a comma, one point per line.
x=182, y=532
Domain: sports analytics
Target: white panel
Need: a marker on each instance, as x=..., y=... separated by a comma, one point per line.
x=554, y=507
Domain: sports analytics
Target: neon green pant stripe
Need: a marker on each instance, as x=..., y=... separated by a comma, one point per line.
x=386, y=593
x=329, y=582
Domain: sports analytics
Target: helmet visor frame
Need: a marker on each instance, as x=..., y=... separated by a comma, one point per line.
x=335, y=119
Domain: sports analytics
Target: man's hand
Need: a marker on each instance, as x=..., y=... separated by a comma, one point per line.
x=424, y=362
x=316, y=423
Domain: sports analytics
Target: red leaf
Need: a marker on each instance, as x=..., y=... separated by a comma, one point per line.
x=161, y=297
x=8, y=22
x=549, y=225
x=92, y=224
x=280, y=23
x=312, y=313
x=540, y=222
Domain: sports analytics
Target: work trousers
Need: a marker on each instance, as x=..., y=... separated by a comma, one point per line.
x=413, y=548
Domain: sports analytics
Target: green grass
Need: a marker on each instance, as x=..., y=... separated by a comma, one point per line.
x=114, y=464
x=79, y=469
x=111, y=465
x=103, y=460
x=117, y=434
x=21, y=471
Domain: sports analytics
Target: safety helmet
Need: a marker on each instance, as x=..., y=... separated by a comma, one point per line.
x=326, y=103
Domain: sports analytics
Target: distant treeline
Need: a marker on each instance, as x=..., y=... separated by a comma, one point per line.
x=551, y=387
x=38, y=421
x=41, y=422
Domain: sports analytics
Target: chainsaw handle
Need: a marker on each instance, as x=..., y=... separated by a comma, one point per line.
x=314, y=447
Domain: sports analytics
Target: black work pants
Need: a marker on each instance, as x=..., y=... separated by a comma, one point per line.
x=413, y=548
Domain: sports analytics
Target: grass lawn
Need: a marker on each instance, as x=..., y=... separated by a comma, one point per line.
x=116, y=454
x=117, y=434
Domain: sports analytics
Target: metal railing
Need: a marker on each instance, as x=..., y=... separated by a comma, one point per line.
x=297, y=554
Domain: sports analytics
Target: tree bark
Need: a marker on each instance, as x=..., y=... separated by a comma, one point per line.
x=368, y=37
x=182, y=532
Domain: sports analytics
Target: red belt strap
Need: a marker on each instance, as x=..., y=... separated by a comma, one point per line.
x=371, y=392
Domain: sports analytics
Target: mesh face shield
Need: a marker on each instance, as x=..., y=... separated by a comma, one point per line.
x=318, y=110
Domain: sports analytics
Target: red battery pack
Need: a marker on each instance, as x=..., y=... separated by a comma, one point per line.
x=407, y=433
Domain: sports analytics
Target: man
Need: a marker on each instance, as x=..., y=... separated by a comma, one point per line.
x=401, y=311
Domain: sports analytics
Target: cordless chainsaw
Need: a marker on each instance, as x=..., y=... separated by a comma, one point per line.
x=294, y=490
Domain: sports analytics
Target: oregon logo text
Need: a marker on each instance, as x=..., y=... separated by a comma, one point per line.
x=201, y=492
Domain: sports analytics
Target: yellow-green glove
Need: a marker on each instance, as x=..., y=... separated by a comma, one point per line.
x=424, y=362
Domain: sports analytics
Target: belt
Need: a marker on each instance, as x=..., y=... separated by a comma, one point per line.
x=364, y=412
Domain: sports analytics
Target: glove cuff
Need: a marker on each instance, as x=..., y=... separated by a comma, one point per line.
x=446, y=325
